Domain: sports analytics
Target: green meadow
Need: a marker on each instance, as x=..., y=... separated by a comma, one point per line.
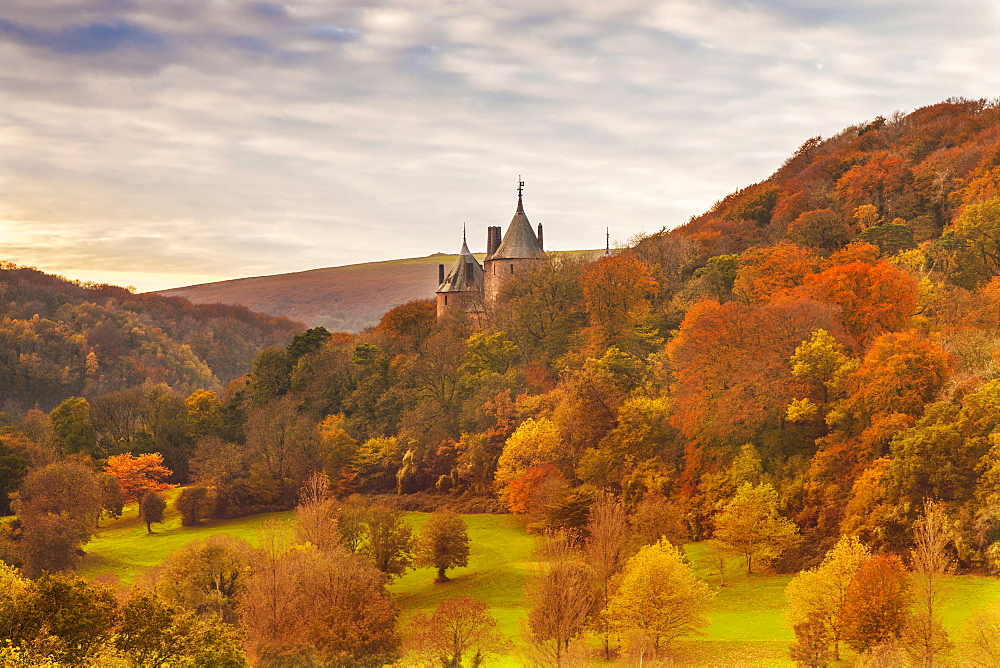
x=746, y=619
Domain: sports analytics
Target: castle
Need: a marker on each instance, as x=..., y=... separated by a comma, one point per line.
x=470, y=287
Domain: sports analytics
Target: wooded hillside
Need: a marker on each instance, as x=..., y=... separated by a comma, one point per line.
x=60, y=338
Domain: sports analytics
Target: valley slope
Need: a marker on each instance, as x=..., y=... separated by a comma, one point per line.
x=346, y=299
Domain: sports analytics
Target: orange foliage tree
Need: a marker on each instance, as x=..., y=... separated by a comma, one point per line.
x=874, y=182
x=875, y=298
x=900, y=373
x=139, y=475
x=732, y=366
x=878, y=602
x=765, y=273
x=618, y=291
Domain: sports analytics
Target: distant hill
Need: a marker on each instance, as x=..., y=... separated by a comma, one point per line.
x=60, y=338
x=343, y=299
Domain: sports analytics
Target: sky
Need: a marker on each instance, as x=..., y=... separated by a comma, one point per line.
x=160, y=143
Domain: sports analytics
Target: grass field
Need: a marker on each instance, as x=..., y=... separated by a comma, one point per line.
x=746, y=619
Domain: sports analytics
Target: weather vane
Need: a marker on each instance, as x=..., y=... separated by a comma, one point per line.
x=520, y=185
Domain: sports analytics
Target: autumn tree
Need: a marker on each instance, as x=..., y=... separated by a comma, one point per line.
x=724, y=357
x=207, y=576
x=926, y=638
x=878, y=601
x=659, y=599
x=139, y=475
x=606, y=549
x=817, y=598
x=562, y=597
x=151, y=507
x=617, y=292
x=459, y=627
x=337, y=451
x=57, y=506
x=535, y=443
x=205, y=414
x=751, y=526
x=195, y=503
x=767, y=273
x=388, y=540
x=316, y=515
x=543, y=311
x=877, y=181
x=821, y=228
x=900, y=373
x=112, y=499
x=59, y=618
x=874, y=298
x=307, y=607
x=443, y=543
x=151, y=632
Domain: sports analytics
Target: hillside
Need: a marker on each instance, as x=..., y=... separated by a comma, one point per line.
x=345, y=299
x=60, y=338
x=893, y=182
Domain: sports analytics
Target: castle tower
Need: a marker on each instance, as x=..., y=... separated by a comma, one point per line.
x=462, y=288
x=518, y=253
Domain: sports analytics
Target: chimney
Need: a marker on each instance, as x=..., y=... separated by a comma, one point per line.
x=492, y=240
x=540, y=245
x=440, y=274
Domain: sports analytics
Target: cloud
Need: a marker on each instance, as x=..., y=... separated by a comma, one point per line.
x=226, y=138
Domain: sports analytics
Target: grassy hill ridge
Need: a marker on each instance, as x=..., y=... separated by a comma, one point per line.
x=347, y=298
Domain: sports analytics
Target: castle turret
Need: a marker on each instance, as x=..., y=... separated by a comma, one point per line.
x=461, y=290
x=519, y=252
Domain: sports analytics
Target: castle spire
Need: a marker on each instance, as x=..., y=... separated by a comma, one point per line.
x=520, y=187
x=607, y=241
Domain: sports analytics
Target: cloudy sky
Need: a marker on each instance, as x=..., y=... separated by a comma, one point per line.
x=159, y=143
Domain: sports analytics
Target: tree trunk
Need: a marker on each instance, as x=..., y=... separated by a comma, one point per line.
x=441, y=576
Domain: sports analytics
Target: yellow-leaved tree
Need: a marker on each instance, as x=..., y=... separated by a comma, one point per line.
x=751, y=526
x=659, y=599
x=816, y=599
x=534, y=444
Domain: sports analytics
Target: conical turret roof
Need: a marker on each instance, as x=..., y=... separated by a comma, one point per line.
x=519, y=241
x=460, y=279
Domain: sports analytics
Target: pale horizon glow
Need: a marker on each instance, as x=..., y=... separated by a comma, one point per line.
x=159, y=143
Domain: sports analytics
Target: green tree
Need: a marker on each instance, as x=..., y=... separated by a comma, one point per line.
x=443, y=543
x=751, y=526
x=73, y=427
x=978, y=227
x=659, y=599
x=307, y=342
